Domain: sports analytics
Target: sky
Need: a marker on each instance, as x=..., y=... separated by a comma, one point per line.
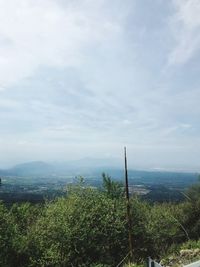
x=84, y=78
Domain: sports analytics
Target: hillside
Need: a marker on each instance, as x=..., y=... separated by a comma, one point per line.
x=88, y=228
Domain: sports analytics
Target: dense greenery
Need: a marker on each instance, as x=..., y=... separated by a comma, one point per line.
x=88, y=227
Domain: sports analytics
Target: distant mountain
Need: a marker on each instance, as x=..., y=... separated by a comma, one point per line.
x=75, y=167
x=34, y=168
x=4, y=172
x=92, y=168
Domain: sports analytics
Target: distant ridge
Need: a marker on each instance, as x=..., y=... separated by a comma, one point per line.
x=41, y=168
x=32, y=168
x=90, y=168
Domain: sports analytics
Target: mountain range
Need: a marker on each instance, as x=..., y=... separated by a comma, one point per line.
x=41, y=168
x=93, y=168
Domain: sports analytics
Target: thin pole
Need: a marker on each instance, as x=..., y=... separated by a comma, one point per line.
x=128, y=207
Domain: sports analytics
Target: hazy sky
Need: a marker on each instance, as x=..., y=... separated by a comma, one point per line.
x=83, y=78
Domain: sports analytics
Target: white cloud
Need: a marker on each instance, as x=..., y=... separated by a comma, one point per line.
x=95, y=83
x=185, y=25
x=8, y=103
x=47, y=33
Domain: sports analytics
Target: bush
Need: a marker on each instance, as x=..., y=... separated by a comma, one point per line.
x=89, y=228
x=81, y=229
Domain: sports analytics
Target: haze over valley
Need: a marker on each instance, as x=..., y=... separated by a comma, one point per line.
x=35, y=181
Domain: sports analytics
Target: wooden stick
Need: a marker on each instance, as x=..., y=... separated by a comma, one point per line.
x=128, y=208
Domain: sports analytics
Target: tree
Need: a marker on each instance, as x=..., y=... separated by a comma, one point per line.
x=6, y=237
x=81, y=229
x=192, y=211
x=23, y=217
x=112, y=188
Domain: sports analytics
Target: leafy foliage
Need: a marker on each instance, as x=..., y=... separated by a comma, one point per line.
x=89, y=228
x=112, y=188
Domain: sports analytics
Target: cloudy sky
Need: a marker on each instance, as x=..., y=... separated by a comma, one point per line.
x=83, y=78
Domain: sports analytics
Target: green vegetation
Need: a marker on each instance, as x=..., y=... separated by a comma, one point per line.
x=183, y=254
x=88, y=227
x=21, y=184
